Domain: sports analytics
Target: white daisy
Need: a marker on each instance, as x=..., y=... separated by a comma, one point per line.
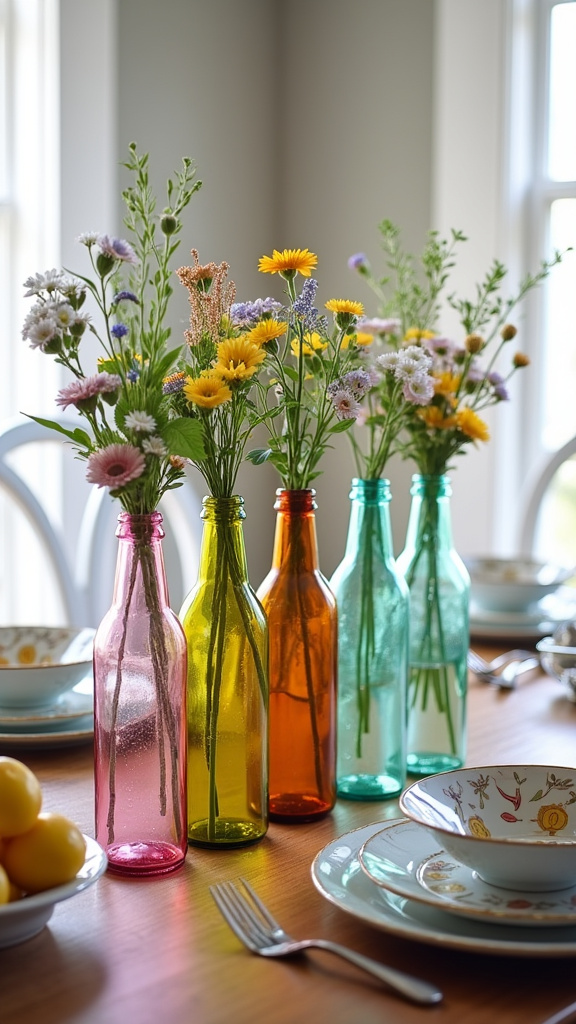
x=154, y=446
x=140, y=421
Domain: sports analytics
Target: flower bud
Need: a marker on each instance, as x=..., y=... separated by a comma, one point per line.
x=508, y=332
x=54, y=346
x=474, y=343
x=77, y=328
x=168, y=223
x=104, y=263
x=520, y=360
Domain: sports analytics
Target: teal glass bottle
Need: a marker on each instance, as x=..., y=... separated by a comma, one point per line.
x=372, y=600
x=439, y=587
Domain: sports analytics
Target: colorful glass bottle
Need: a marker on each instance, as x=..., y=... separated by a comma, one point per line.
x=302, y=622
x=372, y=600
x=439, y=587
x=227, y=638
x=139, y=711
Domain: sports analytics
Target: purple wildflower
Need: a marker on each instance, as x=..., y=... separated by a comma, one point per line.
x=119, y=331
x=124, y=296
x=133, y=375
x=245, y=314
x=117, y=249
x=358, y=261
x=358, y=382
x=346, y=406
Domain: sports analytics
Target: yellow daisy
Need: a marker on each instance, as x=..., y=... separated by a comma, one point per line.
x=364, y=338
x=266, y=331
x=446, y=384
x=345, y=306
x=434, y=418
x=207, y=391
x=238, y=358
x=470, y=424
x=418, y=334
x=312, y=343
x=288, y=262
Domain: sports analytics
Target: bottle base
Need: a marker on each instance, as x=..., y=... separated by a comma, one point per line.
x=368, y=787
x=432, y=764
x=229, y=832
x=297, y=808
x=144, y=859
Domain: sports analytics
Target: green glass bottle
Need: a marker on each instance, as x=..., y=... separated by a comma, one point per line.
x=227, y=692
x=372, y=600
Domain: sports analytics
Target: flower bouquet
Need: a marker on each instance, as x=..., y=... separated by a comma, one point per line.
x=224, y=623
x=134, y=447
x=450, y=384
x=302, y=405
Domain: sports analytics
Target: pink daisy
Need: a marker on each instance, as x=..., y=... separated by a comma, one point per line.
x=85, y=388
x=115, y=466
x=117, y=248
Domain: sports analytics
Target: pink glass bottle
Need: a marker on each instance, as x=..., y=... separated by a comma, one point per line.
x=140, y=711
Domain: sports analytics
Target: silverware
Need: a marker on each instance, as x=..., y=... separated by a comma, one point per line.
x=498, y=670
x=563, y=1016
x=254, y=925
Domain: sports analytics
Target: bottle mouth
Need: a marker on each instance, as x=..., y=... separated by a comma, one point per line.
x=141, y=527
x=295, y=501
x=223, y=510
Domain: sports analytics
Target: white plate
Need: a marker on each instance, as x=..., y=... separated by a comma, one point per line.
x=64, y=734
x=338, y=876
x=533, y=624
x=406, y=859
x=24, y=918
x=76, y=704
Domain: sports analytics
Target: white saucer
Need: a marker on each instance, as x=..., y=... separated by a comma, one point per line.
x=405, y=859
x=537, y=621
x=76, y=703
x=63, y=734
x=338, y=876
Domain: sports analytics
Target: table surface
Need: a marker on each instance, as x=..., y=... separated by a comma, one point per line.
x=157, y=950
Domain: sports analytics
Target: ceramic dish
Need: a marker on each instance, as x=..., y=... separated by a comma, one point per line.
x=24, y=918
x=40, y=663
x=513, y=584
x=339, y=878
x=72, y=705
x=405, y=859
x=64, y=734
x=528, y=625
x=513, y=824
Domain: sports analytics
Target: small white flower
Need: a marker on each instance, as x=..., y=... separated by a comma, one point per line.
x=42, y=331
x=419, y=390
x=140, y=421
x=63, y=314
x=49, y=282
x=389, y=361
x=417, y=353
x=378, y=325
x=346, y=406
x=154, y=446
x=409, y=369
x=88, y=238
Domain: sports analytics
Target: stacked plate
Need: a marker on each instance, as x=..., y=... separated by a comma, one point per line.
x=66, y=722
x=394, y=876
x=533, y=623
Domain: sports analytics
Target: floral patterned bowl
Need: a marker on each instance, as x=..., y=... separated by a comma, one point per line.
x=515, y=825
x=40, y=663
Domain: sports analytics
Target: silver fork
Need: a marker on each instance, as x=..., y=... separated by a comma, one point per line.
x=254, y=925
x=489, y=672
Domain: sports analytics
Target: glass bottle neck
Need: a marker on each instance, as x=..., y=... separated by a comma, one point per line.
x=295, y=542
x=140, y=557
x=369, y=514
x=430, y=511
x=223, y=537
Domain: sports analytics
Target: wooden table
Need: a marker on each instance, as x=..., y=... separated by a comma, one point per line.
x=141, y=952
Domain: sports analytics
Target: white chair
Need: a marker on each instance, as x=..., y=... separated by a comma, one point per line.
x=538, y=489
x=85, y=579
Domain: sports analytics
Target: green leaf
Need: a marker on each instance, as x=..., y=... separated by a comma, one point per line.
x=259, y=455
x=78, y=435
x=168, y=361
x=341, y=426
x=184, y=437
x=291, y=372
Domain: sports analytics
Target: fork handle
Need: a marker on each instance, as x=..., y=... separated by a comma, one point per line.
x=413, y=988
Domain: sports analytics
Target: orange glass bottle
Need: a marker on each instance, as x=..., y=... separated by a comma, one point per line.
x=303, y=634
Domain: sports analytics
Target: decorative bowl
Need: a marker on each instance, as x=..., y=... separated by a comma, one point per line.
x=515, y=825
x=513, y=584
x=40, y=663
x=26, y=917
x=559, y=661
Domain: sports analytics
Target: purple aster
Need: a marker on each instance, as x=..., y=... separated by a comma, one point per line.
x=501, y=392
x=303, y=305
x=117, y=249
x=358, y=382
x=358, y=261
x=346, y=406
x=124, y=297
x=379, y=325
x=119, y=331
x=245, y=314
x=495, y=378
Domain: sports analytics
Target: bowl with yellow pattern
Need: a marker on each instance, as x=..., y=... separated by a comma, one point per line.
x=38, y=664
x=515, y=825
